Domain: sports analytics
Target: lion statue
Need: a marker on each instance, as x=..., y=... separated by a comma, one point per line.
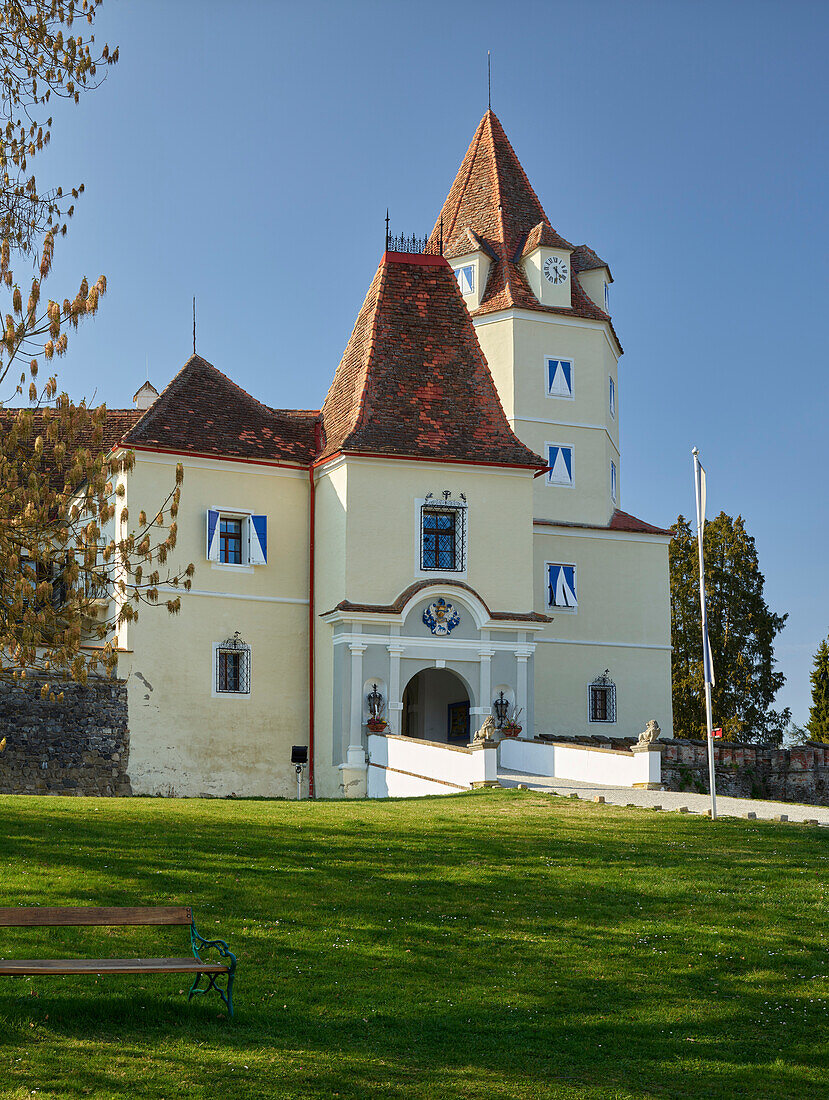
x=649, y=735
x=487, y=732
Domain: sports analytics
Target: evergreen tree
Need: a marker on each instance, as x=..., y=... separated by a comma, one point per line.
x=741, y=629
x=818, y=724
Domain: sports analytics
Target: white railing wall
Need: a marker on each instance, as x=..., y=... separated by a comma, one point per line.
x=610, y=767
x=405, y=767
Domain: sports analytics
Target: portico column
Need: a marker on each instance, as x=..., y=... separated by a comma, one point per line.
x=356, y=753
x=521, y=658
x=485, y=692
x=395, y=703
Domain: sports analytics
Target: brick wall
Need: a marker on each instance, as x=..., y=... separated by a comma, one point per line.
x=79, y=746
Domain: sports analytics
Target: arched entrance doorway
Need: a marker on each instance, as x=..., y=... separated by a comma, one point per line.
x=436, y=707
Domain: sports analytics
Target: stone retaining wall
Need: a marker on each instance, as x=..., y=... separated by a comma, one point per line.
x=799, y=774
x=79, y=746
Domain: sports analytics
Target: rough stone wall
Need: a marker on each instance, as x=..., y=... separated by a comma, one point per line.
x=78, y=746
x=799, y=774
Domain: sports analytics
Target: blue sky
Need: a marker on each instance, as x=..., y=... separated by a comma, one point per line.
x=246, y=153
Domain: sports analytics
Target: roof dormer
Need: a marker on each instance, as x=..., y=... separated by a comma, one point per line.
x=471, y=268
x=546, y=260
x=145, y=396
x=593, y=274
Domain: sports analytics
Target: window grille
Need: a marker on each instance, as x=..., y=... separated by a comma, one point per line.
x=443, y=534
x=233, y=667
x=602, y=699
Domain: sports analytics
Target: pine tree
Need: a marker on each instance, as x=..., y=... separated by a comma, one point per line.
x=741, y=629
x=818, y=724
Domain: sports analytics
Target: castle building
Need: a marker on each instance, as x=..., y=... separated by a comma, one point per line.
x=442, y=541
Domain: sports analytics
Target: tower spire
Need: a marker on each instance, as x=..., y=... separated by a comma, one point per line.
x=194, y=324
x=488, y=81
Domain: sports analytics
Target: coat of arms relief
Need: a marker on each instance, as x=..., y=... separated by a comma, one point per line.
x=441, y=617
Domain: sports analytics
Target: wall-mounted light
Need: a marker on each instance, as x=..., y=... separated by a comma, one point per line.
x=501, y=706
x=375, y=703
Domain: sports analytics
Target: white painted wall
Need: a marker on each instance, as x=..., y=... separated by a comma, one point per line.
x=612, y=767
x=401, y=767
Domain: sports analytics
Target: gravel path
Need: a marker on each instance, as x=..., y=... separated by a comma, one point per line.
x=667, y=800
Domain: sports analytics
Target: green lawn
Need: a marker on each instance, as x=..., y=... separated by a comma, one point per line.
x=499, y=944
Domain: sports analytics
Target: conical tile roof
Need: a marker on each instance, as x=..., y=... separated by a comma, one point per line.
x=413, y=380
x=493, y=199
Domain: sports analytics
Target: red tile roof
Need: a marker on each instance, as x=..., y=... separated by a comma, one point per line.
x=117, y=422
x=413, y=380
x=492, y=197
x=583, y=258
x=202, y=412
x=619, y=521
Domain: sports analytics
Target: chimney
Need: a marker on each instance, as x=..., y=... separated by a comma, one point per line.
x=145, y=397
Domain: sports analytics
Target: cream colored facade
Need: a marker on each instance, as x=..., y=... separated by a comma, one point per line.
x=341, y=601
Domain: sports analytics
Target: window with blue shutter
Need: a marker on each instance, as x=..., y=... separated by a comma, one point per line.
x=560, y=462
x=466, y=278
x=236, y=538
x=258, y=540
x=561, y=587
x=613, y=482
x=612, y=398
x=559, y=377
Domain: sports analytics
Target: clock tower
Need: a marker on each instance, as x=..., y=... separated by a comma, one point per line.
x=540, y=307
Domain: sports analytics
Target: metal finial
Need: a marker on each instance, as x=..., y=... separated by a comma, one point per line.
x=488, y=81
x=387, y=229
x=194, y=324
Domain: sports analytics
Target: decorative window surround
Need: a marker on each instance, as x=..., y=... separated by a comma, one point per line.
x=559, y=377
x=232, y=668
x=562, y=587
x=222, y=540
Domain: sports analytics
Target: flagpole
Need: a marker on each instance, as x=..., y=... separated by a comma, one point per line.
x=708, y=674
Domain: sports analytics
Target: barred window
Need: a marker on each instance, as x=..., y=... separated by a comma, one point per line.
x=602, y=699
x=232, y=667
x=442, y=536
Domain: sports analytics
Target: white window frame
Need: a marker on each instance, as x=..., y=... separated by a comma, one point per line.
x=471, y=269
x=607, y=297
x=248, y=652
x=560, y=396
x=246, y=516
x=614, y=481
x=419, y=571
x=611, y=399
x=555, y=607
x=548, y=477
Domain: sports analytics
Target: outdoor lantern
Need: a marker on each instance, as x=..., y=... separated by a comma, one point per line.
x=501, y=706
x=299, y=758
x=375, y=702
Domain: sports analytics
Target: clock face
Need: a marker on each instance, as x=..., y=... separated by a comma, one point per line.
x=556, y=270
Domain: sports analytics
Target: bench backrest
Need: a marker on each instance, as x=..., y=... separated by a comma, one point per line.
x=49, y=916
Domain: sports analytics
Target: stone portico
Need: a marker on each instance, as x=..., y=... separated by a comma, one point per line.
x=388, y=646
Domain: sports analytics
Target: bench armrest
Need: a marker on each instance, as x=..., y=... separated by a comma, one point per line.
x=199, y=943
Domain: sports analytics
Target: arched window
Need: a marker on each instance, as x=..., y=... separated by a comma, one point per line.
x=601, y=699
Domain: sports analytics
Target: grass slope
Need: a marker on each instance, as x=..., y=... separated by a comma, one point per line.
x=498, y=944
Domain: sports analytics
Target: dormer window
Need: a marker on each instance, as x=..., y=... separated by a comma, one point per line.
x=466, y=278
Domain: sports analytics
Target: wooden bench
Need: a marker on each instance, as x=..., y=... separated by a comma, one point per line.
x=53, y=917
